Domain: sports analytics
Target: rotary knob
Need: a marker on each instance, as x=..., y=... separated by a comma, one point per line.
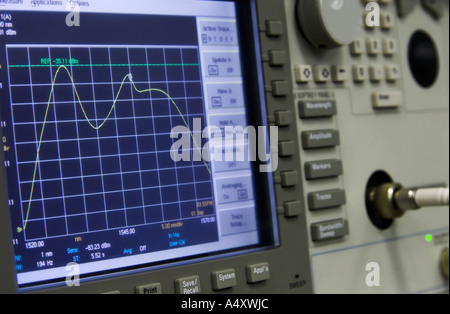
x=329, y=23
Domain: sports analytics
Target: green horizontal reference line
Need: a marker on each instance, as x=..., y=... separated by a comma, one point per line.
x=103, y=65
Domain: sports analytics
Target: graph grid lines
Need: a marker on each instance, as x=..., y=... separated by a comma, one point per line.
x=92, y=136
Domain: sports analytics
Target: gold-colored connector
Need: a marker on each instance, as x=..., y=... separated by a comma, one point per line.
x=382, y=200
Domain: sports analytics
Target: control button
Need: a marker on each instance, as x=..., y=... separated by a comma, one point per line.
x=237, y=221
x=434, y=7
x=320, y=139
x=223, y=279
x=358, y=47
x=154, y=288
x=280, y=88
x=340, y=73
x=292, y=209
x=322, y=73
x=323, y=169
x=317, y=109
x=376, y=72
x=274, y=28
x=329, y=230
x=283, y=118
x=360, y=73
x=289, y=178
x=386, y=100
x=258, y=272
x=387, y=20
x=188, y=285
x=392, y=72
x=326, y=199
x=277, y=57
x=303, y=73
x=369, y=25
x=286, y=148
x=234, y=189
x=374, y=47
x=390, y=46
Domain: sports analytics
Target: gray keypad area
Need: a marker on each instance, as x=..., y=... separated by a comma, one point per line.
x=323, y=167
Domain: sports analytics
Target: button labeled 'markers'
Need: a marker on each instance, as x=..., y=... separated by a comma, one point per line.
x=323, y=169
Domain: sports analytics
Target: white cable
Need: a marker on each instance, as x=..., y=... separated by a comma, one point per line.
x=432, y=197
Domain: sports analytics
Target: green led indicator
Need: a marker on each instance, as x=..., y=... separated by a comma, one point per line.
x=428, y=238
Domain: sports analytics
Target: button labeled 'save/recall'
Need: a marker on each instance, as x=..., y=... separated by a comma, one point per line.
x=188, y=285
